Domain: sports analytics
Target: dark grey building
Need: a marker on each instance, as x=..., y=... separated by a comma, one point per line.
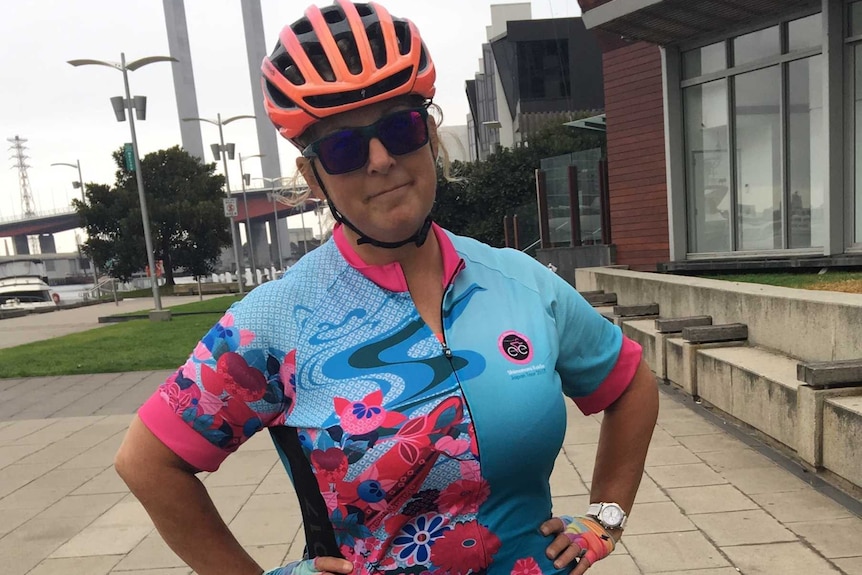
x=533, y=73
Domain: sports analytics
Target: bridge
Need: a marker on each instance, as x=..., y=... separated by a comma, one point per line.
x=262, y=211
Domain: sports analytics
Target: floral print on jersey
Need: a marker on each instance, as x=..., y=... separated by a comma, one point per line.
x=231, y=381
x=384, y=514
x=381, y=414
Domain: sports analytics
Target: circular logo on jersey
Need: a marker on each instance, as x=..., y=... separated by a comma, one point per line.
x=515, y=347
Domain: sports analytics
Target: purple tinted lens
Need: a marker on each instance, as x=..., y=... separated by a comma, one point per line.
x=343, y=151
x=403, y=132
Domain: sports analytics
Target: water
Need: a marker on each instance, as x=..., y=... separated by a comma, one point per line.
x=71, y=293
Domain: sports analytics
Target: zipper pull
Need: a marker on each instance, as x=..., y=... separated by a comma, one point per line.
x=446, y=351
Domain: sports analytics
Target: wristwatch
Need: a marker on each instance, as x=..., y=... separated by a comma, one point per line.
x=609, y=515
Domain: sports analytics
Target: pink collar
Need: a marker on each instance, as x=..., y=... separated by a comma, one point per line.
x=391, y=276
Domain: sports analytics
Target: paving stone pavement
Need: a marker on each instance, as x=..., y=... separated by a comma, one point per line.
x=709, y=504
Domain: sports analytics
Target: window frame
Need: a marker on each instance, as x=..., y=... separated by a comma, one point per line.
x=729, y=74
x=852, y=238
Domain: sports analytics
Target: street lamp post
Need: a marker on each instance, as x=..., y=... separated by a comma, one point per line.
x=304, y=236
x=272, y=197
x=247, y=218
x=80, y=182
x=138, y=104
x=225, y=151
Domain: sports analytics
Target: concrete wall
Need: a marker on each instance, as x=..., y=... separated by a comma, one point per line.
x=755, y=382
x=806, y=324
x=567, y=260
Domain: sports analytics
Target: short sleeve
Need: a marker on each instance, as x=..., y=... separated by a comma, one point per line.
x=596, y=362
x=230, y=387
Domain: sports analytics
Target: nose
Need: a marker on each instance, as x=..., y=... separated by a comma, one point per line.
x=379, y=158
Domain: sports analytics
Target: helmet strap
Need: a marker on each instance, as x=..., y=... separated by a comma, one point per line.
x=417, y=238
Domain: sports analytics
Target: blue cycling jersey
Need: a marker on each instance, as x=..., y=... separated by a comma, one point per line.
x=410, y=451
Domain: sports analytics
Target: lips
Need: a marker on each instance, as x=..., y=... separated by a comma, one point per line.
x=389, y=190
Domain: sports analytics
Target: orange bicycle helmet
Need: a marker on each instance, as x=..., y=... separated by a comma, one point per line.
x=340, y=58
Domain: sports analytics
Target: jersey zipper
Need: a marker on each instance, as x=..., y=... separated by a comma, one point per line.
x=446, y=350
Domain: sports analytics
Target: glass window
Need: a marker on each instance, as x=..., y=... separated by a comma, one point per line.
x=756, y=46
x=857, y=105
x=856, y=19
x=805, y=162
x=706, y=60
x=805, y=33
x=757, y=119
x=707, y=167
x=543, y=69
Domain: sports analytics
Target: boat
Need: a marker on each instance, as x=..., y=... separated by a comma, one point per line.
x=24, y=286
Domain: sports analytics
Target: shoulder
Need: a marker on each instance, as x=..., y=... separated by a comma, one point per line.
x=303, y=284
x=506, y=263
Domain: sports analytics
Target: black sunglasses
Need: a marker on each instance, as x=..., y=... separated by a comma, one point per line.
x=346, y=150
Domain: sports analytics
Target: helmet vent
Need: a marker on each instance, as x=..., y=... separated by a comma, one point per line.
x=333, y=14
x=350, y=53
x=352, y=96
x=423, y=58
x=364, y=10
x=402, y=32
x=378, y=45
x=302, y=26
x=277, y=97
x=319, y=60
x=285, y=64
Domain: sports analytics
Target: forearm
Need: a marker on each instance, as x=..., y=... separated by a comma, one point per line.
x=626, y=431
x=182, y=511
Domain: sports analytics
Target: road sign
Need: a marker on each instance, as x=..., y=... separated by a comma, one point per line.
x=230, y=207
x=129, y=157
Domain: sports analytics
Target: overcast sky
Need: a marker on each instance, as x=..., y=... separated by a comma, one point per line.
x=65, y=113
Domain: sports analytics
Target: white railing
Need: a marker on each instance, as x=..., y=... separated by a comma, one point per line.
x=96, y=291
x=67, y=211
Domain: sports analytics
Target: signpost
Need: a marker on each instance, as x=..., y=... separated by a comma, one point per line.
x=230, y=210
x=129, y=157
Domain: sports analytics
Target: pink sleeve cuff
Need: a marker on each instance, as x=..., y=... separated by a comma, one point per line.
x=180, y=438
x=617, y=380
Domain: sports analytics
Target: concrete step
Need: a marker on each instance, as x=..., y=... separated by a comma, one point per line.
x=754, y=385
x=821, y=374
x=624, y=311
x=715, y=333
x=677, y=324
x=602, y=299
x=842, y=428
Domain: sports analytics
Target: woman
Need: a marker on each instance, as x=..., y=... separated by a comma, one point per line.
x=411, y=378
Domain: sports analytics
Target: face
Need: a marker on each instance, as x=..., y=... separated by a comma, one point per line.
x=389, y=197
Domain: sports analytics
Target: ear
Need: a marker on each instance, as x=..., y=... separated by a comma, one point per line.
x=304, y=167
x=433, y=137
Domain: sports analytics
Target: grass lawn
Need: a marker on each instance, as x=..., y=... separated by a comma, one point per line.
x=850, y=282
x=136, y=345
x=216, y=305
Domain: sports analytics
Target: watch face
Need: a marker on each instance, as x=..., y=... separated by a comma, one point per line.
x=612, y=515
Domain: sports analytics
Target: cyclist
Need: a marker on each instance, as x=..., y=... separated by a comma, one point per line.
x=413, y=380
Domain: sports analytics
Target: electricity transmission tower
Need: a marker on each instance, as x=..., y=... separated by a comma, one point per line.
x=27, y=204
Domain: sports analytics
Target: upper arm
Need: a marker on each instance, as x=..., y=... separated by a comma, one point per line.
x=142, y=452
x=596, y=362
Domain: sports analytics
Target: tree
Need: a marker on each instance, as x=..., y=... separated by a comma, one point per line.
x=503, y=184
x=184, y=198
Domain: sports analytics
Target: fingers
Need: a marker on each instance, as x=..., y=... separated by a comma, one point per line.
x=332, y=565
x=551, y=526
x=581, y=567
x=568, y=555
x=558, y=546
x=322, y=566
